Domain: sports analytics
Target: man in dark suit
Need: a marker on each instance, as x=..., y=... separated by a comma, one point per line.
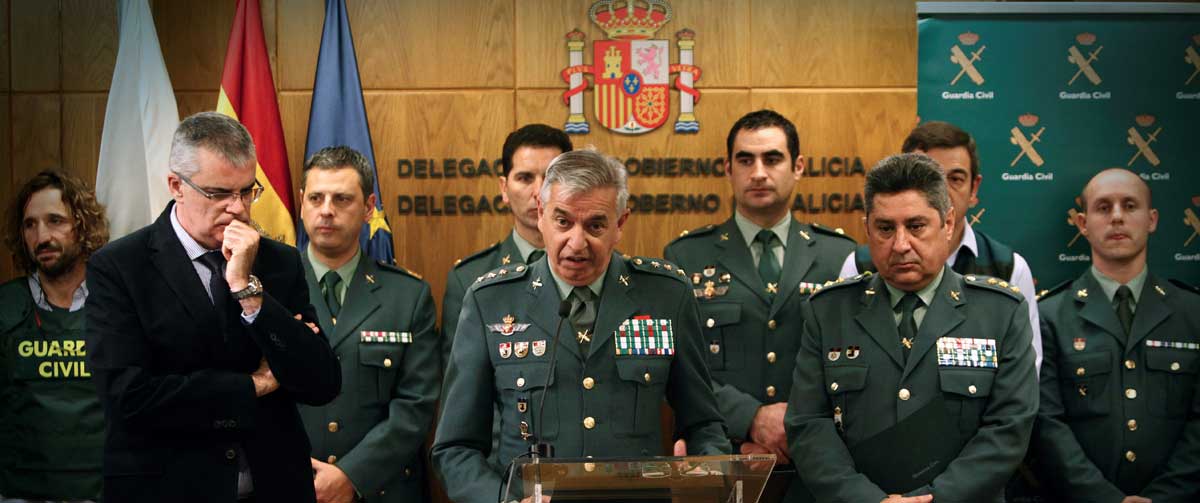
x=915, y=381
x=1120, y=417
x=197, y=339
x=367, y=442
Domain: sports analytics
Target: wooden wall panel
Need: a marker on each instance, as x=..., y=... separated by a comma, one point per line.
x=300, y=23
x=82, y=127
x=193, y=37
x=8, y=182
x=833, y=43
x=36, y=133
x=195, y=101
x=5, y=31
x=35, y=32
x=722, y=39
x=869, y=124
x=293, y=113
x=89, y=44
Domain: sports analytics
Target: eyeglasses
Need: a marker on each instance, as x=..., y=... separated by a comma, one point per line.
x=247, y=196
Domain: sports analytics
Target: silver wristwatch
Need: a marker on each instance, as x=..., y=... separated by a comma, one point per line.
x=254, y=289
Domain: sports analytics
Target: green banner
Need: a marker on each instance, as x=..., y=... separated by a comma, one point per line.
x=1054, y=95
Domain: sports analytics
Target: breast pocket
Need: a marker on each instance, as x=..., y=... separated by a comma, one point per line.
x=1172, y=376
x=719, y=320
x=379, y=362
x=642, y=388
x=966, y=392
x=522, y=388
x=844, y=384
x=1083, y=384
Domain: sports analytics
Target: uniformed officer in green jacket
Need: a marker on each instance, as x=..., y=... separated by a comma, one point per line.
x=630, y=340
x=367, y=443
x=1120, y=416
x=750, y=275
x=53, y=433
x=915, y=382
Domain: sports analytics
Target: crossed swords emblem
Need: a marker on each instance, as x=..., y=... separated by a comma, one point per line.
x=1192, y=57
x=1143, y=145
x=1189, y=218
x=967, y=64
x=1084, y=64
x=1018, y=138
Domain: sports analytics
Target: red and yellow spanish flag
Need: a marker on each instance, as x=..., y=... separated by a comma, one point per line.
x=248, y=95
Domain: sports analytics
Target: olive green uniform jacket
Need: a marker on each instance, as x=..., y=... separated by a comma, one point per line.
x=600, y=403
x=1120, y=417
x=841, y=398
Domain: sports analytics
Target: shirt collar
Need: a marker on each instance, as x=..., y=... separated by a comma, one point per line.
x=39, y=296
x=926, y=294
x=523, y=247
x=193, y=248
x=564, y=288
x=346, y=271
x=968, y=241
x=1110, y=286
x=749, y=229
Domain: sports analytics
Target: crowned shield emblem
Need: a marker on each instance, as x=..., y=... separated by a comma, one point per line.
x=505, y=349
x=539, y=347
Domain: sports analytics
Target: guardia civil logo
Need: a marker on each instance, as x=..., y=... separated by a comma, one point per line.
x=1085, y=65
x=1141, y=142
x=967, y=64
x=1071, y=214
x=1190, y=220
x=1024, y=143
x=631, y=71
x=1191, y=57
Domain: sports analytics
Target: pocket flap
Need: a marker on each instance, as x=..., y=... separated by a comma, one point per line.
x=1084, y=365
x=1175, y=361
x=719, y=313
x=384, y=356
x=971, y=383
x=842, y=378
x=644, y=370
x=523, y=377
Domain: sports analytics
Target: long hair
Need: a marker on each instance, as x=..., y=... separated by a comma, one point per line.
x=91, y=223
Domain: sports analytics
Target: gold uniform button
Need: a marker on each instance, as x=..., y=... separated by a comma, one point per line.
x=1131, y=393
x=407, y=473
x=1130, y=456
x=771, y=357
x=589, y=422
x=1130, y=364
x=333, y=427
x=1080, y=371
x=589, y=383
x=646, y=376
x=589, y=467
x=971, y=389
x=771, y=324
x=770, y=391
x=331, y=459
x=710, y=323
x=520, y=382
x=833, y=387
x=1175, y=366
x=904, y=394
x=1132, y=424
x=387, y=363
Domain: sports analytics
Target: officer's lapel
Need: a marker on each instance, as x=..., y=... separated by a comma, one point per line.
x=735, y=257
x=315, y=297
x=509, y=250
x=1151, y=310
x=171, y=260
x=797, y=260
x=359, y=302
x=876, y=319
x=616, y=304
x=943, y=315
x=1095, y=308
x=543, y=304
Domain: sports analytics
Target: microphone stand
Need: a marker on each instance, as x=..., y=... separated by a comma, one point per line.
x=539, y=447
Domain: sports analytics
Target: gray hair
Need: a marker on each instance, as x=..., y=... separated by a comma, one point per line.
x=904, y=172
x=219, y=134
x=339, y=157
x=579, y=171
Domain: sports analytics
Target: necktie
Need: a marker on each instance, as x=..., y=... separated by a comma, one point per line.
x=963, y=260
x=583, y=314
x=1124, y=298
x=535, y=255
x=908, y=324
x=768, y=269
x=330, y=282
x=218, y=289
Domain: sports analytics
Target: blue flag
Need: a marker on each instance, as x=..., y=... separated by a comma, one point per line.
x=338, y=117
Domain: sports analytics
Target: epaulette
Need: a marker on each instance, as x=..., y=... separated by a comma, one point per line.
x=1043, y=294
x=1185, y=286
x=838, y=232
x=656, y=266
x=991, y=283
x=500, y=275
x=396, y=268
x=477, y=254
x=695, y=232
x=840, y=282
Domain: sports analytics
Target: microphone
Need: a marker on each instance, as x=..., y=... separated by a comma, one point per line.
x=540, y=448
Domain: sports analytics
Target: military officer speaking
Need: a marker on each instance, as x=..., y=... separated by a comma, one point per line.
x=750, y=275
x=1120, y=415
x=631, y=339
x=915, y=381
x=53, y=430
x=366, y=443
